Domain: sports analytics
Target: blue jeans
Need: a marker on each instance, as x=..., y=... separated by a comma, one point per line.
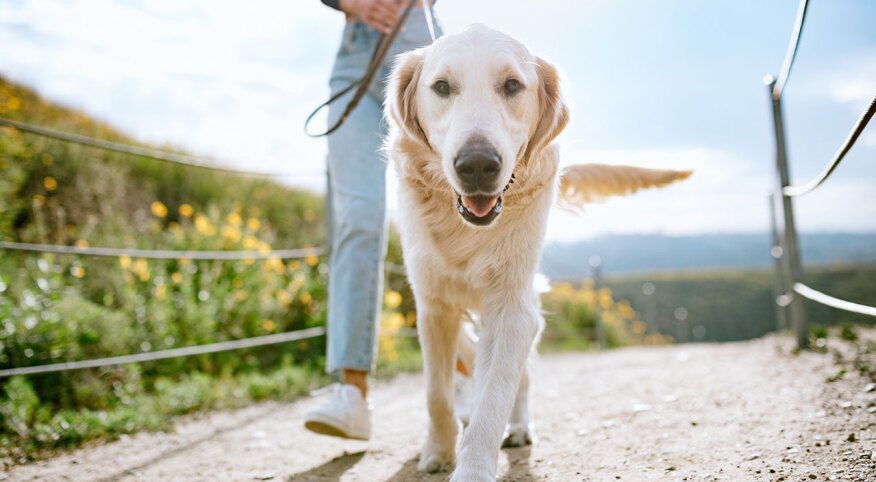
x=356, y=197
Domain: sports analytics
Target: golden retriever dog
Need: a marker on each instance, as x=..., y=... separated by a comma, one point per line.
x=473, y=120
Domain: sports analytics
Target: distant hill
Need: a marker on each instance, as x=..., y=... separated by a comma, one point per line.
x=626, y=254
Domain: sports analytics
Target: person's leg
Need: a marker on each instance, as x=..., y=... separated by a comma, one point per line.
x=358, y=202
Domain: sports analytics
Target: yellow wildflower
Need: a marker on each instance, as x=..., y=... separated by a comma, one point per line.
x=160, y=291
x=231, y=233
x=312, y=260
x=234, y=219
x=269, y=325
x=204, y=226
x=82, y=243
x=253, y=224
x=284, y=298
x=159, y=209
x=305, y=298
x=77, y=271
x=294, y=265
x=176, y=277
x=240, y=295
x=50, y=183
x=186, y=210
x=125, y=261
x=250, y=242
x=392, y=299
x=39, y=200
x=13, y=103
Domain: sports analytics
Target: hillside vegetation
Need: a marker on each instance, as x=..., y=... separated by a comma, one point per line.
x=62, y=307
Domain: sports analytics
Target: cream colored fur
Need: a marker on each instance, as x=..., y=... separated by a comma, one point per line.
x=455, y=267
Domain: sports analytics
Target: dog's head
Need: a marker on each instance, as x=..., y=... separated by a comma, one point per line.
x=483, y=104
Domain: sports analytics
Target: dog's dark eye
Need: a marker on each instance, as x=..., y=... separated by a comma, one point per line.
x=512, y=86
x=442, y=88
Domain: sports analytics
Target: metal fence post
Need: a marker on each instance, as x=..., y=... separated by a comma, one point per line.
x=791, y=253
x=780, y=299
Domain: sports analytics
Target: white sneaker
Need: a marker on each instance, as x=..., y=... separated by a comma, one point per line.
x=347, y=414
x=462, y=397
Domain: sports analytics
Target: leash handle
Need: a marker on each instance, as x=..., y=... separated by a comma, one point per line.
x=377, y=57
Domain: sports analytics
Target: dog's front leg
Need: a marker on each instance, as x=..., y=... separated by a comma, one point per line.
x=438, y=326
x=510, y=326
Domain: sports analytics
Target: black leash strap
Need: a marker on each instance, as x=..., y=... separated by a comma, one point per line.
x=377, y=57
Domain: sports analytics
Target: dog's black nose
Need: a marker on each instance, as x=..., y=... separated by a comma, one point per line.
x=478, y=168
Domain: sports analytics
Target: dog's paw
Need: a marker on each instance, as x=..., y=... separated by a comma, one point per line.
x=435, y=461
x=463, y=475
x=519, y=436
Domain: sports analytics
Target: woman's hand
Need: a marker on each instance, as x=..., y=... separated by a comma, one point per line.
x=380, y=15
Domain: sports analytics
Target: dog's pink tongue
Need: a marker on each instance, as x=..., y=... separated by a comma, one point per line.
x=480, y=206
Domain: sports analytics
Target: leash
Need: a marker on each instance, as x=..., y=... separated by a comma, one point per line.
x=376, y=61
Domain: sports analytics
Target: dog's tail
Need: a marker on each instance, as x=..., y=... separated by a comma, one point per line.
x=585, y=183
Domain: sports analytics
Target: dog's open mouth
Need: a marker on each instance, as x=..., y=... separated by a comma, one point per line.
x=479, y=210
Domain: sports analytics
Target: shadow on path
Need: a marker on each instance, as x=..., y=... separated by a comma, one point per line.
x=519, y=469
x=330, y=471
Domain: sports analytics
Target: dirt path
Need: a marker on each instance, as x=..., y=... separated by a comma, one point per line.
x=741, y=411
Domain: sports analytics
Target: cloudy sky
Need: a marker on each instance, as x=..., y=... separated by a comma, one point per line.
x=668, y=84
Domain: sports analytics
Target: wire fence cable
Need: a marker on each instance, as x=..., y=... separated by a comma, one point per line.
x=171, y=353
x=792, y=50
x=172, y=157
x=828, y=300
x=298, y=253
x=838, y=158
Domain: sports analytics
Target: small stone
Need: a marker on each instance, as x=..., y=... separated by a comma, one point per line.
x=870, y=387
x=852, y=437
x=845, y=404
x=641, y=407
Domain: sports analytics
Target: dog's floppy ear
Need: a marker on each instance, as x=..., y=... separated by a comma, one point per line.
x=553, y=112
x=584, y=183
x=401, y=93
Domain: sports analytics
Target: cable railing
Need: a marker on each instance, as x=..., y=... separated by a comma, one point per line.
x=790, y=290
x=215, y=255
x=838, y=157
x=148, y=152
